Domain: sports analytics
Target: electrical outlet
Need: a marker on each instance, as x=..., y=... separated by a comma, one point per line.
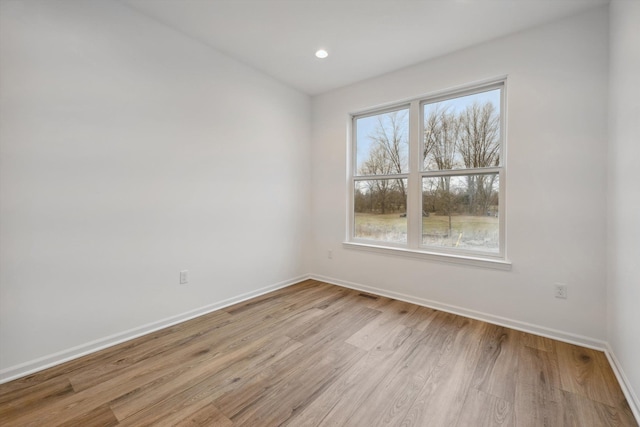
x=560, y=291
x=330, y=254
x=184, y=277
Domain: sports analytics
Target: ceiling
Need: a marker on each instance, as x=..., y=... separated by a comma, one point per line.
x=364, y=38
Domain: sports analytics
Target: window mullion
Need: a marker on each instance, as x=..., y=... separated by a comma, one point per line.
x=414, y=197
x=374, y=177
x=461, y=172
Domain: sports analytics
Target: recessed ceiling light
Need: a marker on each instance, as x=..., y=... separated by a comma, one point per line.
x=321, y=53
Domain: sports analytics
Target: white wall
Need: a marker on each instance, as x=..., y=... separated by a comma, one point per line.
x=130, y=152
x=624, y=192
x=556, y=182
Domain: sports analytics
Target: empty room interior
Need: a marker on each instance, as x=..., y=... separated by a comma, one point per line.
x=306, y=213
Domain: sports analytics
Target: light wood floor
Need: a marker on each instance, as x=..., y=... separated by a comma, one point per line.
x=314, y=354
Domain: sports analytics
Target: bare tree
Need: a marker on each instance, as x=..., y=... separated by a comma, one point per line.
x=391, y=137
x=378, y=164
x=388, y=156
x=441, y=133
x=479, y=138
x=479, y=146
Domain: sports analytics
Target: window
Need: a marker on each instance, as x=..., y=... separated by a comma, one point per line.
x=428, y=176
x=382, y=166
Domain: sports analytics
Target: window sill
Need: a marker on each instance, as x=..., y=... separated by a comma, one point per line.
x=496, y=264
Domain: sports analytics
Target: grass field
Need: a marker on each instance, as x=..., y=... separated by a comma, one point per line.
x=468, y=232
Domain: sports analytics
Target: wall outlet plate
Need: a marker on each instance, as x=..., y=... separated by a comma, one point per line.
x=560, y=290
x=184, y=277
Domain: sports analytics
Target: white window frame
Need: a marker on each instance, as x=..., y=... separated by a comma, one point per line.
x=414, y=247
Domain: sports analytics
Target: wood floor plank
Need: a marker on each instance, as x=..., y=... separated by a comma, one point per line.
x=393, y=313
x=163, y=387
x=207, y=416
x=389, y=403
x=420, y=318
x=324, y=340
x=299, y=388
x=485, y=410
x=498, y=365
x=372, y=300
x=86, y=400
x=352, y=389
x=537, y=401
x=114, y=365
x=285, y=300
x=332, y=298
x=579, y=411
x=98, y=359
x=315, y=354
x=23, y=400
x=537, y=408
x=587, y=372
x=448, y=384
x=159, y=368
x=193, y=396
x=537, y=342
x=339, y=321
x=101, y=416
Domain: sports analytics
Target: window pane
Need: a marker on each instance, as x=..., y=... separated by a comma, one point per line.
x=382, y=143
x=462, y=132
x=461, y=212
x=380, y=207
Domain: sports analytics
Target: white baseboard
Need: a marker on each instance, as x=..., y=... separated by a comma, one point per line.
x=54, y=359
x=632, y=398
x=485, y=317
